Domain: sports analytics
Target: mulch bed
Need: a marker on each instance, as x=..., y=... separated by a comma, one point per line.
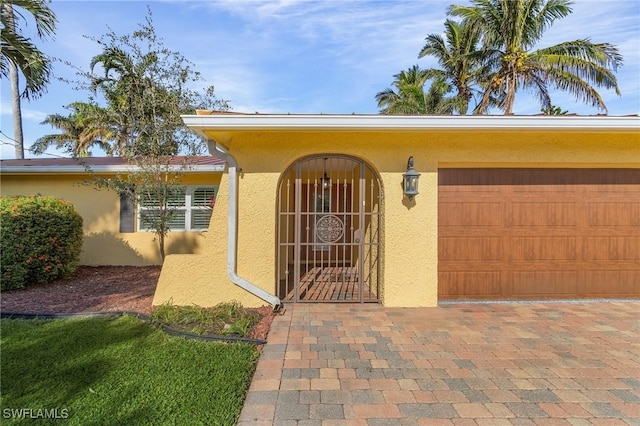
x=100, y=289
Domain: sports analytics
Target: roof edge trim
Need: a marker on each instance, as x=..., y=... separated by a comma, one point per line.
x=388, y=122
x=99, y=169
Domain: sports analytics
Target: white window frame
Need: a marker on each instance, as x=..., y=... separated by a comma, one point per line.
x=188, y=208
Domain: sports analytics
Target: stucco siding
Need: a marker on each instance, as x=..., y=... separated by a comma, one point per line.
x=256, y=228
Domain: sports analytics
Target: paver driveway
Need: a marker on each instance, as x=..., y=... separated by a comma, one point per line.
x=462, y=364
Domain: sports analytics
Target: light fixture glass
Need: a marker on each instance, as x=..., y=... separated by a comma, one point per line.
x=410, y=180
x=326, y=180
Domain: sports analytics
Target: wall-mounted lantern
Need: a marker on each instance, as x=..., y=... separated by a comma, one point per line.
x=410, y=180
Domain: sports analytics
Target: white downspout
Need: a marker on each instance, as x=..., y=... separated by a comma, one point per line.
x=232, y=248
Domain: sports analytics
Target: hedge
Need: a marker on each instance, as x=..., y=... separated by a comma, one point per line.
x=41, y=240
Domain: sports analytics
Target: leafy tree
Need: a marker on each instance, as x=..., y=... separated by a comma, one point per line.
x=19, y=53
x=145, y=89
x=510, y=29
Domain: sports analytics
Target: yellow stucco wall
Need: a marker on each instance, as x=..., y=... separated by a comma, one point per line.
x=202, y=278
x=103, y=243
x=410, y=245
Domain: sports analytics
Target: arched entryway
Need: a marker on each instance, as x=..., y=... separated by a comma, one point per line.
x=329, y=230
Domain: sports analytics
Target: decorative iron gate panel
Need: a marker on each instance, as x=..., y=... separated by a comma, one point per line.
x=329, y=222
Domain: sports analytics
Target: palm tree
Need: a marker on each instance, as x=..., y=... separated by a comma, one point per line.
x=19, y=53
x=82, y=129
x=458, y=59
x=121, y=85
x=511, y=28
x=436, y=100
x=554, y=110
x=409, y=97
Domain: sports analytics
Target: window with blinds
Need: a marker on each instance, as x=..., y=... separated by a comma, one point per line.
x=190, y=208
x=202, y=201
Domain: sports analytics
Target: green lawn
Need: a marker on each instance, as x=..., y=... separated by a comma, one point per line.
x=119, y=371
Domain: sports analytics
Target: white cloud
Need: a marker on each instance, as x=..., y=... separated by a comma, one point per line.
x=325, y=48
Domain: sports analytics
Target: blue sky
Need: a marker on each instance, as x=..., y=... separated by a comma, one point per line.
x=295, y=56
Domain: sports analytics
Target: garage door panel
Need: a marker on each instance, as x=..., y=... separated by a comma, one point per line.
x=470, y=248
x=613, y=214
x=612, y=248
x=471, y=214
x=542, y=248
x=541, y=214
x=542, y=284
x=603, y=283
x=482, y=284
x=541, y=233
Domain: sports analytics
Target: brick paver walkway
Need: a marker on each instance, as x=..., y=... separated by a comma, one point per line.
x=462, y=364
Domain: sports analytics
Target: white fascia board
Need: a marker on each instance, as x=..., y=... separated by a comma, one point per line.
x=236, y=122
x=62, y=169
x=99, y=169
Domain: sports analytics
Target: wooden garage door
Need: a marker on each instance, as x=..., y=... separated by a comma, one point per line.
x=538, y=233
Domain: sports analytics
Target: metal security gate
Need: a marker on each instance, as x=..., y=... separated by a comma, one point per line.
x=329, y=223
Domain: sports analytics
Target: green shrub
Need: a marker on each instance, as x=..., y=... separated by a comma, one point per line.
x=41, y=240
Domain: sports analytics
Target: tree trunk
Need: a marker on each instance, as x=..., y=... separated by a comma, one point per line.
x=161, y=244
x=17, y=111
x=15, y=93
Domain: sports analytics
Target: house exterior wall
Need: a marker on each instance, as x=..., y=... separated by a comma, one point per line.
x=410, y=231
x=103, y=243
